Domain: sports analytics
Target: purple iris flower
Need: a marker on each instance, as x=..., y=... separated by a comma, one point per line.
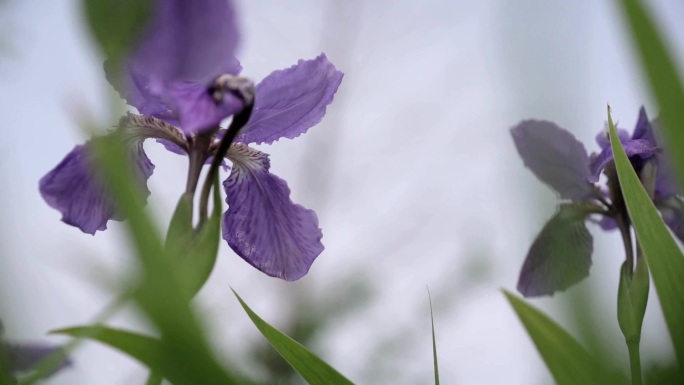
x=560, y=256
x=183, y=80
x=23, y=357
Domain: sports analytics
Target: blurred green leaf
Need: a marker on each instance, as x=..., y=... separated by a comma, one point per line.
x=662, y=253
x=180, y=230
x=314, y=370
x=154, y=379
x=160, y=294
x=567, y=360
x=664, y=79
x=147, y=350
x=434, y=342
x=116, y=24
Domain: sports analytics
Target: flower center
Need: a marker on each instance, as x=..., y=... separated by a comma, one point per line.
x=239, y=86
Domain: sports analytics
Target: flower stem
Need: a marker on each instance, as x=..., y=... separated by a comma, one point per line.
x=623, y=225
x=197, y=154
x=239, y=121
x=634, y=361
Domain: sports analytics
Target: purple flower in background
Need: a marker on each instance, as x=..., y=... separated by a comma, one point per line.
x=560, y=256
x=183, y=80
x=23, y=357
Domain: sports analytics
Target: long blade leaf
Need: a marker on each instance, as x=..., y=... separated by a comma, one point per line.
x=314, y=370
x=664, y=79
x=147, y=350
x=567, y=360
x=662, y=253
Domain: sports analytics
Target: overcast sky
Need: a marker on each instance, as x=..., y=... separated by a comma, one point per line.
x=413, y=175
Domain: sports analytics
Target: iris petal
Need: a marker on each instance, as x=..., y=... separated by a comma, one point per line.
x=554, y=156
x=262, y=224
x=560, y=256
x=290, y=101
x=188, y=40
x=23, y=357
x=135, y=89
x=633, y=147
x=73, y=188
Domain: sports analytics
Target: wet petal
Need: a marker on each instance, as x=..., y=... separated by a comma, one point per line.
x=554, y=156
x=636, y=149
x=290, y=101
x=560, y=256
x=23, y=357
x=262, y=224
x=188, y=41
x=197, y=110
x=73, y=189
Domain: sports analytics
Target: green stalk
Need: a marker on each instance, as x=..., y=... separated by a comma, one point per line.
x=634, y=361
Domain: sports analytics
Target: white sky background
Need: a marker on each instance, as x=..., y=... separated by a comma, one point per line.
x=413, y=175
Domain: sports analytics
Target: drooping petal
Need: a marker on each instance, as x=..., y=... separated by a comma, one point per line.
x=672, y=210
x=73, y=188
x=141, y=127
x=636, y=149
x=24, y=357
x=188, y=40
x=290, y=101
x=560, y=256
x=554, y=156
x=262, y=224
x=197, y=110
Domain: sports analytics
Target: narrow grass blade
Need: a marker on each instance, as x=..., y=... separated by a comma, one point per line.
x=664, y=258
x=314, y=370
x=434, y=342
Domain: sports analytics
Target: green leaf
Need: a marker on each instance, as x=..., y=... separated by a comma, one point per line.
x=147, y=350
x=154, y=379
x=180, y=231
x=665, y=260
x=567, y=360
x=434, y=342
x=199, y=257
x=664, y=79
x=161, y=293
x=314, y=370
x=116, y=24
